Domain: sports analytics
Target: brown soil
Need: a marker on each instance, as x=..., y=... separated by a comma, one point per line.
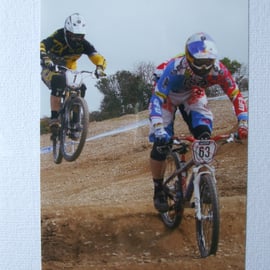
x=97, y=212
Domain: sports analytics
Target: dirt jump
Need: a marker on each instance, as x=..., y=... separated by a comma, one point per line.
x=97, y=212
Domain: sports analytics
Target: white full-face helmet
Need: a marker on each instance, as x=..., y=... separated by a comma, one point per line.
x=201, y=53
x=74, y=30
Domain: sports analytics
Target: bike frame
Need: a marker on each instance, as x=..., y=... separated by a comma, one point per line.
x=192, y=183
x=193, y=187
x=196, y=176
x=71, y=95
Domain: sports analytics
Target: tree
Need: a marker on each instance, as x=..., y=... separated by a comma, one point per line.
x=111, y=103
x=239, y=71
x=145, y=71
x=124, y=92
x=135, y=92
x=232, y=65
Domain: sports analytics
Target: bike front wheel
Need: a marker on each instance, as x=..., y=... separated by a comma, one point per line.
x=172, y=218
x=75, y=127
x=57, y=154
x=207, y=228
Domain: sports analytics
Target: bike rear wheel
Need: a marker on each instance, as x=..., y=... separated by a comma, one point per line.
x=75, y=127
x=172, y=218
x=207, y=229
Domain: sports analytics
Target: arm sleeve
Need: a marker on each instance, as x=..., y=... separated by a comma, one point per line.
x=98, y=60
x=160, y=95
x=46, y=44
x=231, y=89
x=43, y=51
x=95, y=57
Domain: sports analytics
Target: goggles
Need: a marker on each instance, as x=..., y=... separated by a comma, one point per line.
x=203, y=63
x=75, y=37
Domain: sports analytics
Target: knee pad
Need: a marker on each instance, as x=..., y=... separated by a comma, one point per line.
x=157, y=155
x=58, y=83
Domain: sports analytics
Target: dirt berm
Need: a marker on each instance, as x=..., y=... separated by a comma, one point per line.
x=97, y=212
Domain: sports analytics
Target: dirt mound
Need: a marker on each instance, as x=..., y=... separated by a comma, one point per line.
x=97, y=212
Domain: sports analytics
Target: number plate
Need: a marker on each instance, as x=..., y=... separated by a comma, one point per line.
x=73, y=79
x=203, y=151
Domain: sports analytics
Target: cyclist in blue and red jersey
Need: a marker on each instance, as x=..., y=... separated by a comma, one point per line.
x=64, y=47
x=182, y=86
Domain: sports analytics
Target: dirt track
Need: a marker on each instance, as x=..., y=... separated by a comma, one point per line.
x=97, y=212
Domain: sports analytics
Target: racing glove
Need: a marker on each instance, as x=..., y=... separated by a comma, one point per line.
x=242, y=129
x=99, y=72
x=161, y=135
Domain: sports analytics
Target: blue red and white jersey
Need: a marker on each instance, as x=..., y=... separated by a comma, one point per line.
x=177, y=82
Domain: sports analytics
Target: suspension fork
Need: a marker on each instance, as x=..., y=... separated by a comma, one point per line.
x=198, y=171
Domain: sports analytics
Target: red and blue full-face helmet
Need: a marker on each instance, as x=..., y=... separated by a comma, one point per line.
x=201, y=53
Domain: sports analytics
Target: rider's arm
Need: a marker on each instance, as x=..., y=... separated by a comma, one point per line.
x=46, y=61
x=43, y=49
x=160, y=95
x=95, y=57
x=98, y=60
x=231, y=89
x=47, y=43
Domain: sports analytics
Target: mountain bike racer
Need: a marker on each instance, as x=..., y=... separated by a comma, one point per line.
x=181, y=85
x=64, y=47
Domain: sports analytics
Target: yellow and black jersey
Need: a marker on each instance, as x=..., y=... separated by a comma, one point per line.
x=56, y=48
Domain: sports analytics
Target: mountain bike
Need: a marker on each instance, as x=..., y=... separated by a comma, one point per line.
x=192, y=183
x=69, y=140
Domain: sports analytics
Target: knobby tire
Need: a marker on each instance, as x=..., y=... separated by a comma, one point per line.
x=57, y=154
x=207, y=229
x=84, y=120
x=173, y=217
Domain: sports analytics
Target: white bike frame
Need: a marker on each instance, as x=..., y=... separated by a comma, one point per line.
x=196, y=183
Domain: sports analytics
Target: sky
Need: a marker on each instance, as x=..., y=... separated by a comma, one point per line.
x=129, y=32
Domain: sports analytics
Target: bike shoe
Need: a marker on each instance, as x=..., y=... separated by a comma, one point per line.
x=54, y=128
x=160, y=201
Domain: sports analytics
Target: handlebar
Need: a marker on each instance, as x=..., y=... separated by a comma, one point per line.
x=226, y=138
x=59, y=68
x=182, y=147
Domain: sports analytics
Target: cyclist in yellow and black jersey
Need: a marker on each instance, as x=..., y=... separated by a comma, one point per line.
x=64, y=47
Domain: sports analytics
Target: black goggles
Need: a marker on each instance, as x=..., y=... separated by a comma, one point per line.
x=203, y=63
x=74, y=37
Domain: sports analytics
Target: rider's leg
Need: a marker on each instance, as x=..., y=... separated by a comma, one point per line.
x=57, y=85
x=157, y=159
x=55, y=106
x=56, y=82
x=157, y=166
